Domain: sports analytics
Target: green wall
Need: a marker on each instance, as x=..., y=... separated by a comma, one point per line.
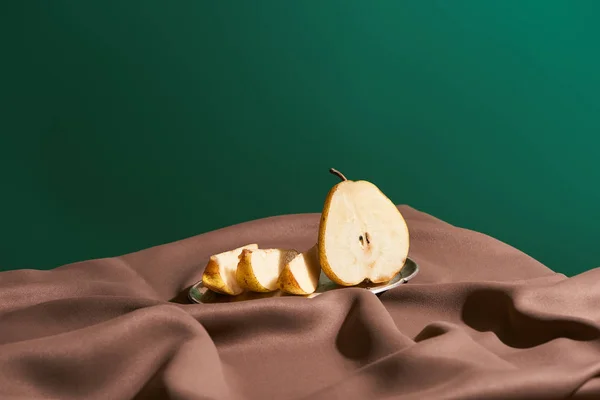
x=127, y=124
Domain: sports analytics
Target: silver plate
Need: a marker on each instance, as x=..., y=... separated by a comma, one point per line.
x=202, y=295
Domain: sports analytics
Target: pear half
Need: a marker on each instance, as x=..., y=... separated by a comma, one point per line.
x=259, y=269
x=220, y=272
x=301, y=275
x=362, y=234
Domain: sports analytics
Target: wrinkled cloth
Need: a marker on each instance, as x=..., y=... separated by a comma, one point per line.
x=481, y=320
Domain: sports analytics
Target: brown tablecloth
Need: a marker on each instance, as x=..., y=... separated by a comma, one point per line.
x=480, y=321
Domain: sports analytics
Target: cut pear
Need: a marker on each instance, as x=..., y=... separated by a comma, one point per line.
x=301, y=275
x=362, y=234
x=220, y=272
x=259, y=270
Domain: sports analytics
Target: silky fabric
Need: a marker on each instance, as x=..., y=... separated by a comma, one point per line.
x=481, y=320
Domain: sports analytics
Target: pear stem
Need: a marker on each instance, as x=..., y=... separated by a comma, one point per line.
x=338, y=174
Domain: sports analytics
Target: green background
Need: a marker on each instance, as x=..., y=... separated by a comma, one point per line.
x=127, y=124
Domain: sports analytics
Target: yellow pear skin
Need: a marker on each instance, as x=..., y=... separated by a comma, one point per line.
x=220, y=272
x=301, y=275
x=259, y=270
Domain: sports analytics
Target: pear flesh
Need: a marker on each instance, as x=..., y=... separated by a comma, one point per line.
x=220, y=272
x=362, y=235
x=259, y=269
x=301, y=275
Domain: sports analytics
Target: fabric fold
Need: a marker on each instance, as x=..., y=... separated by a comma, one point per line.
x=481, y=320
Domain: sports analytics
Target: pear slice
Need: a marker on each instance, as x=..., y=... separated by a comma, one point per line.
x=301, y=275
x=219, y=274
x=362, y=234
x=259, y=270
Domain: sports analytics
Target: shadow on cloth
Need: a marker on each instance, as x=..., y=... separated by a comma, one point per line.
x=492, y=310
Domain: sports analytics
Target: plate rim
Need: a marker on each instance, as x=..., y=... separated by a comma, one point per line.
x=374, y=290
